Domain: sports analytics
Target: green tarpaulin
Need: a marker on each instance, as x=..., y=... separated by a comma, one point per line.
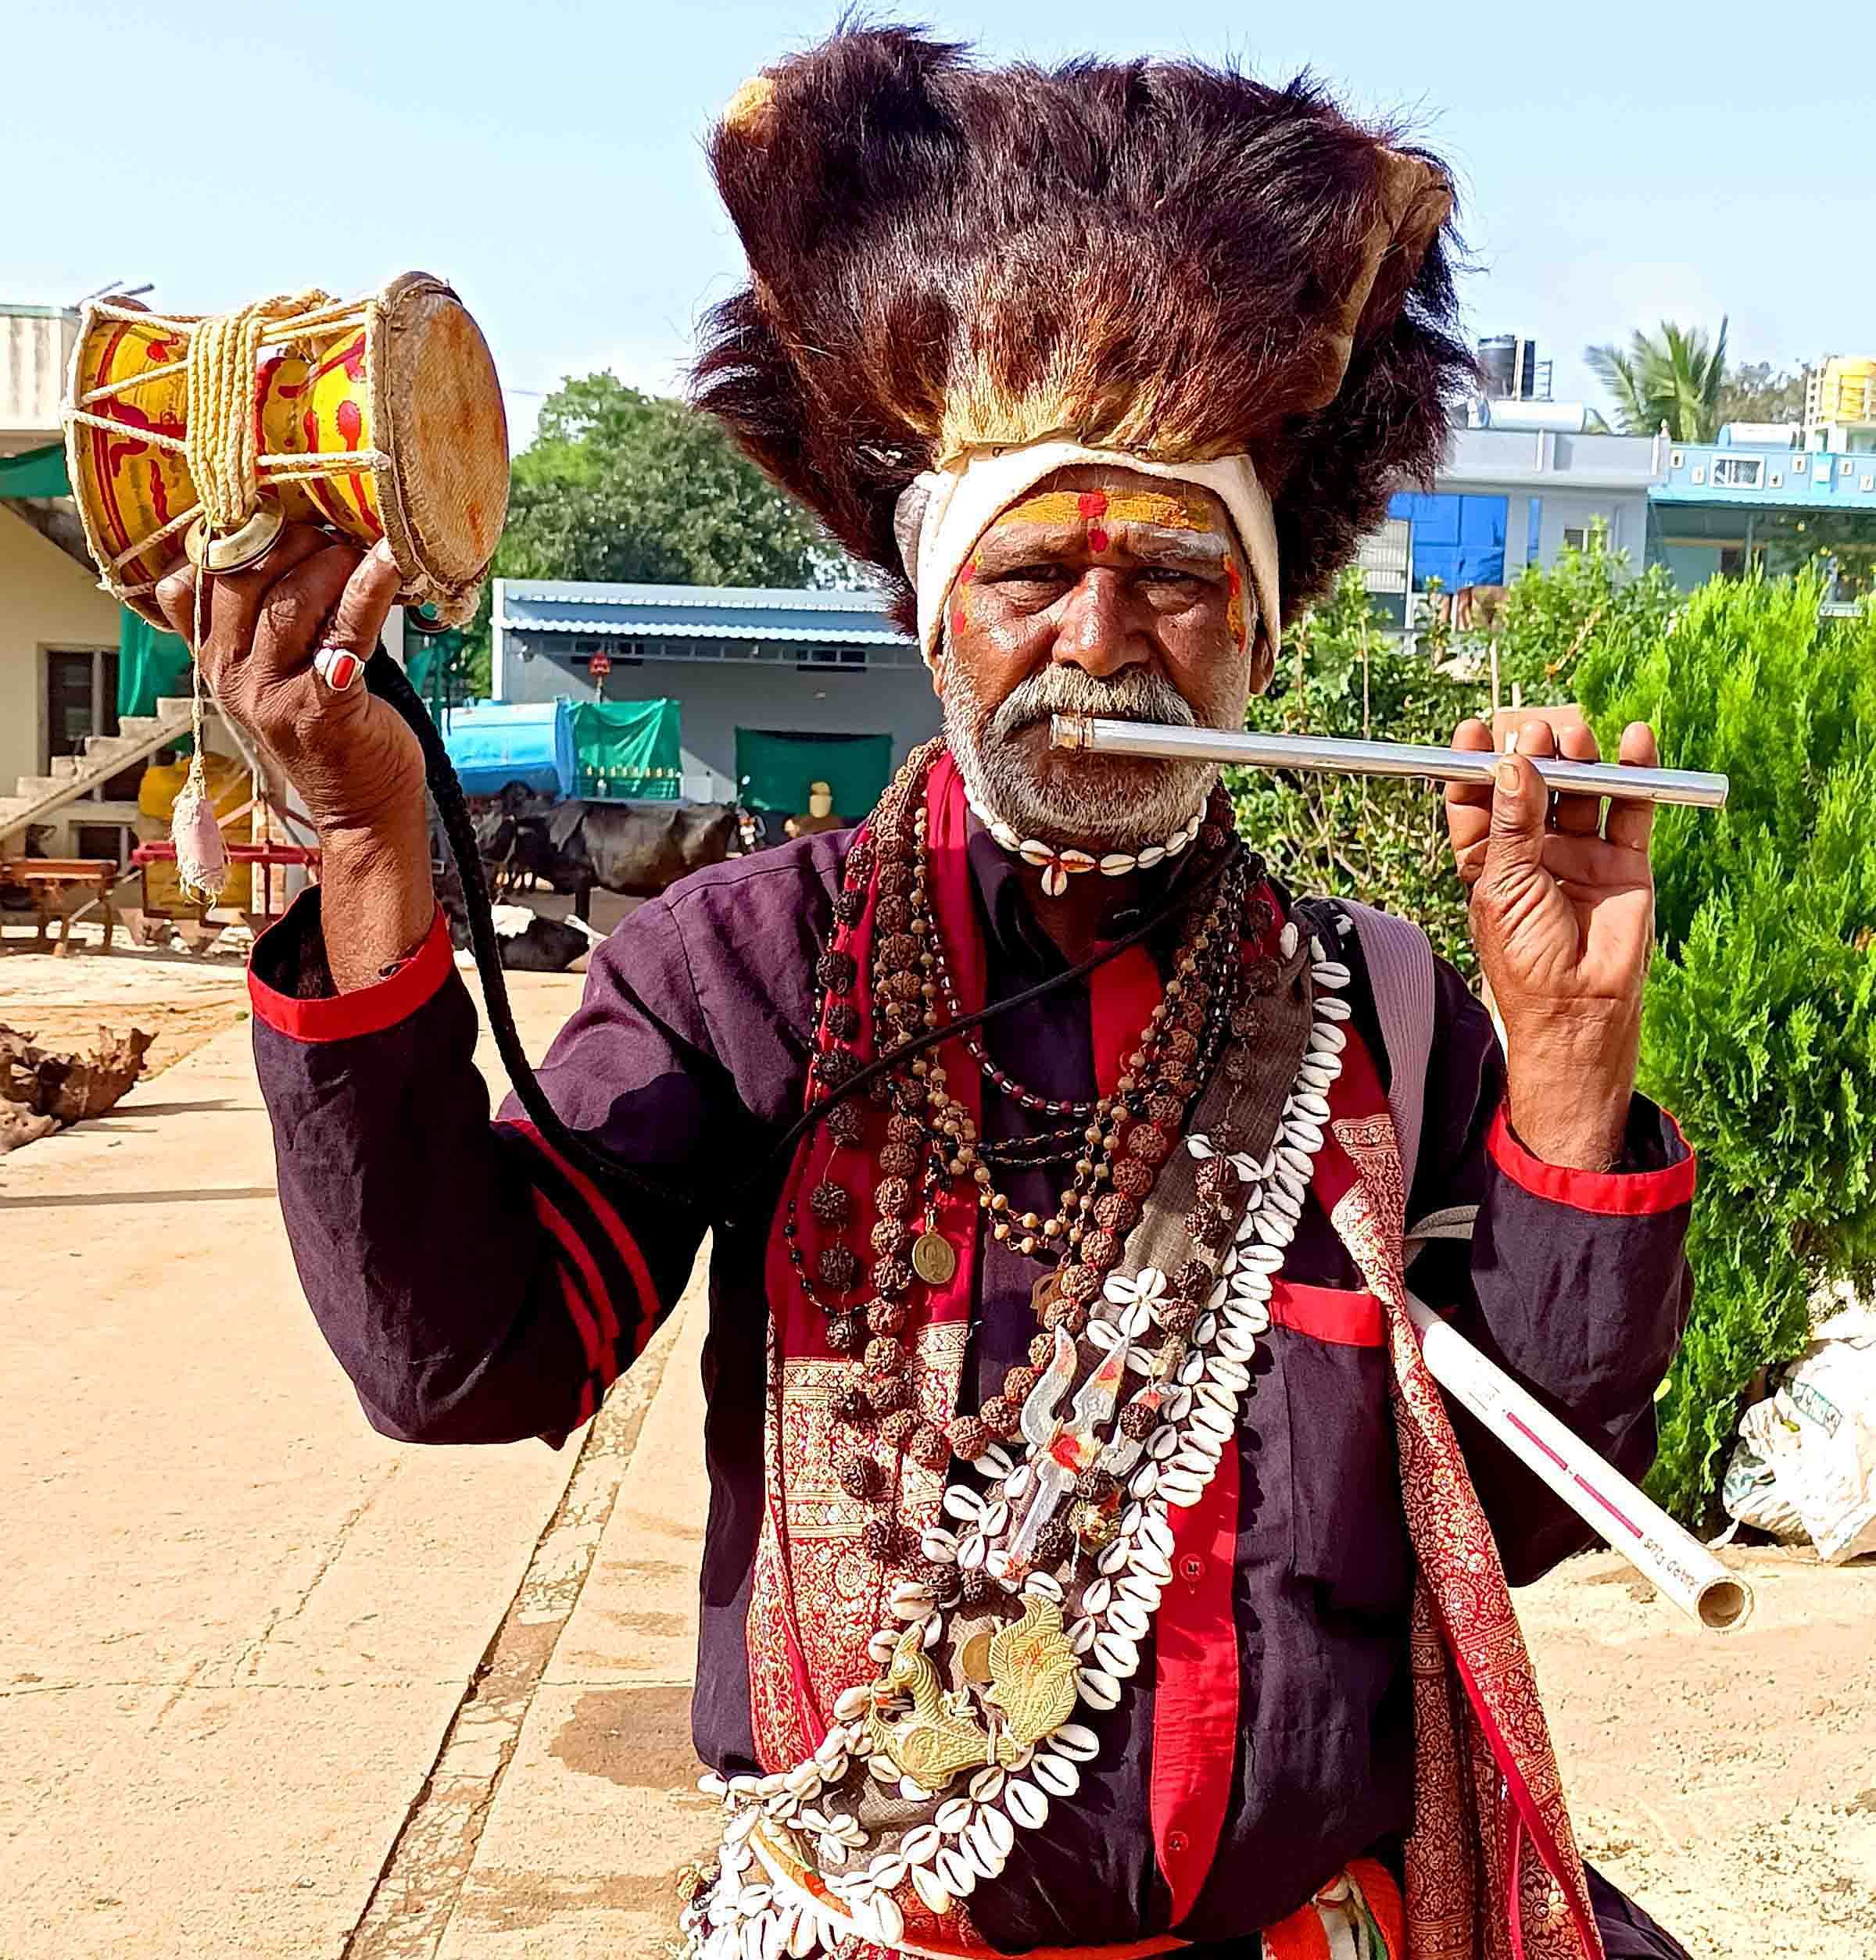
x=774, y=770
x=151, y=666
x=627, y=749
x=39, y=473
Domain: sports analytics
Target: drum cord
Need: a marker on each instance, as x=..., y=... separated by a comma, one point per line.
x=389, y=682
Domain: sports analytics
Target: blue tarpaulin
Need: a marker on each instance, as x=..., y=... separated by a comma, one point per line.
x=1460, y=540
x=501, y=742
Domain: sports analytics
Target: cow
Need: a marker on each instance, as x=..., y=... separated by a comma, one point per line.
x=635, y=850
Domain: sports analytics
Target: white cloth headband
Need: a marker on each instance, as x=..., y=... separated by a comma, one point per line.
x=952, y=509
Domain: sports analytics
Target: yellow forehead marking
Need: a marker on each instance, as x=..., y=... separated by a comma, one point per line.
x=1101, y=510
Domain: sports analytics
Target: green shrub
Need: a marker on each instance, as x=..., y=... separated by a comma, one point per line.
x=1359, y=837
x=1759, y=1027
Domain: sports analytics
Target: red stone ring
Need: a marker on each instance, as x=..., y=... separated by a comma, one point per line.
x=338, y=666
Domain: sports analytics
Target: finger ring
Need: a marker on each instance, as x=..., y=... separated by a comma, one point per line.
x=338, y=666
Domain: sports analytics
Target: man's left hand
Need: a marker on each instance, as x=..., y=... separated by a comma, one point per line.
x=1562, y=903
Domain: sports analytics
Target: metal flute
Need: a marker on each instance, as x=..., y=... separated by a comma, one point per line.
x=1106, y=736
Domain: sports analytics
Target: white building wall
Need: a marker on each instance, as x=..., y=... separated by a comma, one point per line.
x=48, y=602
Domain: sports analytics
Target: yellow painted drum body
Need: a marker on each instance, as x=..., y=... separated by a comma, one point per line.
x=402, y=382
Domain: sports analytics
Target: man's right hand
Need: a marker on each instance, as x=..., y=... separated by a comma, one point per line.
x=357, y=767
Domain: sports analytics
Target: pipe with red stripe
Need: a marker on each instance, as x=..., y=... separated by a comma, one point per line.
x=1618, y=1511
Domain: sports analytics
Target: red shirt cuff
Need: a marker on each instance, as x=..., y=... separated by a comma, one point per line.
x=1619, y=1194
x=367, y=1011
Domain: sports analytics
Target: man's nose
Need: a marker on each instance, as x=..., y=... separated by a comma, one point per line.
x=1095, y=633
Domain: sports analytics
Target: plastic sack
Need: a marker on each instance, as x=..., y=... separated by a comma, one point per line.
x=1805, y=1465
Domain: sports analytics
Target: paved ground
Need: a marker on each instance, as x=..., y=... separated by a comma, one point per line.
x=233, y=1623
x=272, y=1688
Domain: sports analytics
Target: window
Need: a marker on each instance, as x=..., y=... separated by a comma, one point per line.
x=81, y=700
x=1576, y=538
x=1738, y=472
x=818, y=660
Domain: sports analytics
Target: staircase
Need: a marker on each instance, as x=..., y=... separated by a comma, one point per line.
x=39, y=797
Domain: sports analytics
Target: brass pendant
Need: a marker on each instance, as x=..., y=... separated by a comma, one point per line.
x=941, y=1735
x=933, y=1259
x=236, y=550
x=1033, y=1669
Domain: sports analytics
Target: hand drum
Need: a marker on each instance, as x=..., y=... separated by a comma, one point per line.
x=377, y=418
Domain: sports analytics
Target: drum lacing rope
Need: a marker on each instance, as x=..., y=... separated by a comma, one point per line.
x=221, y=450
x=222, y=443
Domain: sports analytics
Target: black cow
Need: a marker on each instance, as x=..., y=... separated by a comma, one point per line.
x=635, y=849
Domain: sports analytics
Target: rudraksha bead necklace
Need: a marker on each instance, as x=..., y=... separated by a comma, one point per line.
x=929, y=1137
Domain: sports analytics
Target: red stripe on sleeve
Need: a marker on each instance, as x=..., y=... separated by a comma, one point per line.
x=367, y=1011
x=577, y=1274
x=614, y=1227
x=579, y=1255
x=1615, y=1194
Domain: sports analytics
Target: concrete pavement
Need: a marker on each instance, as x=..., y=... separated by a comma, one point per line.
x=235, y=1624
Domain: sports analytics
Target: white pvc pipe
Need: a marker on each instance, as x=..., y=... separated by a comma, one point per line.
x=1622, y=1515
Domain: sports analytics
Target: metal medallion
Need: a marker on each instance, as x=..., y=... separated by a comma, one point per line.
x=933, y=1259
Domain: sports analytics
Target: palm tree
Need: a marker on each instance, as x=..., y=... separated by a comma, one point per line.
x=1671, y=380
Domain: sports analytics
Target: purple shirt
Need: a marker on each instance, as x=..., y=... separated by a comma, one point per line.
x=477, y=1289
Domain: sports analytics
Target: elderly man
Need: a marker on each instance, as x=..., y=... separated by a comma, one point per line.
x=1091, y=1566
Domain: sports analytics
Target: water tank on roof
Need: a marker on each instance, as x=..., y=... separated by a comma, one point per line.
x=1498, y=365
x=1760, y=435
x=524, y=741
x=1567, y=418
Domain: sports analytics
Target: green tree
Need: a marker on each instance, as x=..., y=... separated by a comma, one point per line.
x=1754, y=393
x=1587, y=602
x=1674, y=377
x=623, y=486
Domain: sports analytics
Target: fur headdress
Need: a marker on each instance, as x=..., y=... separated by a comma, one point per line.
x=1160, y=258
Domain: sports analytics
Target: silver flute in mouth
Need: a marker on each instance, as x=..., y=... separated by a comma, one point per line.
x=1102, y=734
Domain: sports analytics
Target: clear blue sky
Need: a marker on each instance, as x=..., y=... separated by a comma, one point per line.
x=1616, y=167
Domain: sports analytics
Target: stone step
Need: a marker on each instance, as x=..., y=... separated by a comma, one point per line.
x=139, y=735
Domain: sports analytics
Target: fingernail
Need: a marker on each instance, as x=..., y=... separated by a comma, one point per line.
x=381, y=551
x=1506, y=776
x=1511, y=743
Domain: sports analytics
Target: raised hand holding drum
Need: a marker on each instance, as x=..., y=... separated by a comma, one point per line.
x=202, y=436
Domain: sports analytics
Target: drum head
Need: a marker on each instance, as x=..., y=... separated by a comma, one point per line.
x=445, y=492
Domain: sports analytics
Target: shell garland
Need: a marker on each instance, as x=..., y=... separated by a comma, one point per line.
x=754, y=1911
x=1058, y=863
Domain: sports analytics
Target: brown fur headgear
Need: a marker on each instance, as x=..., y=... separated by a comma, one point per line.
x=1160, y=258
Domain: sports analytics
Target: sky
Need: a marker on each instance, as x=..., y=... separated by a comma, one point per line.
x=546, y=157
